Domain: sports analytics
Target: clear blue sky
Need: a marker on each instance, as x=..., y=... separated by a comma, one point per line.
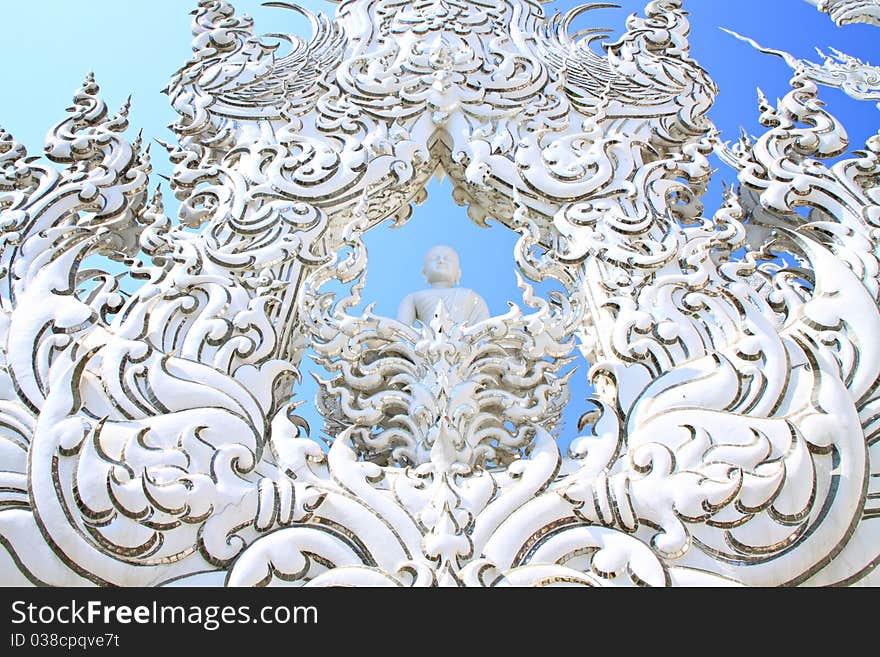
x=134, y=46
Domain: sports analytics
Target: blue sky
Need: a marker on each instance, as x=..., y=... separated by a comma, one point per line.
x=133, y=47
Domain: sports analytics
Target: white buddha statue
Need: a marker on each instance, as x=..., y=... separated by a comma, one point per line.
x=442, y=271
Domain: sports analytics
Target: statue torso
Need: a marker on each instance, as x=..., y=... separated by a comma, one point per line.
x=462, y=304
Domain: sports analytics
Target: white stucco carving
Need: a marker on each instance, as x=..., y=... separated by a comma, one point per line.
x=150, y=438
x=845, y=12
x=857, y=79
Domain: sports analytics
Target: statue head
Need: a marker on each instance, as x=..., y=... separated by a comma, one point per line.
x=441, y=268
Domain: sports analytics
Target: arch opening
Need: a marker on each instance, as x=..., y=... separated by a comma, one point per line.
x=486, y=251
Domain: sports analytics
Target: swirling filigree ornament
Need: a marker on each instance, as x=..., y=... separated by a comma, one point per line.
x=149, y=437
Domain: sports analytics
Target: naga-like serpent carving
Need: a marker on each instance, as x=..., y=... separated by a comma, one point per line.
x=149, y=436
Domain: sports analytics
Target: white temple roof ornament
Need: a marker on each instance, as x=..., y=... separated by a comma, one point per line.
x=846, y=12
x=150, y=437
x=857, y=79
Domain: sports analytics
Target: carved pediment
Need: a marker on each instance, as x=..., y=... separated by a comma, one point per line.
x=149, y=436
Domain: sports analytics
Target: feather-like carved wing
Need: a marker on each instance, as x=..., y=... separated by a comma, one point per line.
x=295, y=77
x=646, y=74
x=235, y=74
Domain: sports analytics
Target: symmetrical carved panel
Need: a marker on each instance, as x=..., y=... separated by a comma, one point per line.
x=150, y=438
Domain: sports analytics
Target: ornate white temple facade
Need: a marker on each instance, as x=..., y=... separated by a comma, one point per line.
x=150, y=438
